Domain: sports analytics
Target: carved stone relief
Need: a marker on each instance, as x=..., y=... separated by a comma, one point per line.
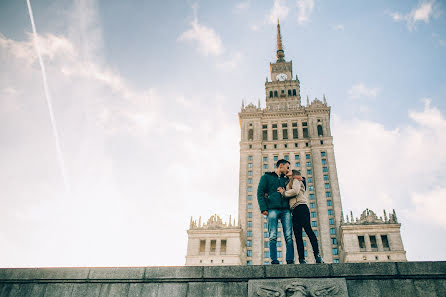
x=298, y=288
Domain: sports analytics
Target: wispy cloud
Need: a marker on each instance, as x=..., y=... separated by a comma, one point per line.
x=361, y=90
x=242, y=6
x=424, y=12
x=338, y=27
x=279, y=11
x=207, y=39
x=305, y=9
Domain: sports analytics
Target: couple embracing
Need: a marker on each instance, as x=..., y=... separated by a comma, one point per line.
x=281, y=196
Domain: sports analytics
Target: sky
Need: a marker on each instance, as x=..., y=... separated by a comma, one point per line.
x=132, y=128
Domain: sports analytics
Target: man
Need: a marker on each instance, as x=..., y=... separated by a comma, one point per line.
x=298, y=202
x=276, y=208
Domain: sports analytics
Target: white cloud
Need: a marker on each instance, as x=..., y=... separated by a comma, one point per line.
x=305, y=8
x=422, y=13
x=242, y=6
x=338, y=27
x=279, y=11
x=430, y=205
x=231, y=62
x=208, y=41
x=361, y=90
x=401, y=168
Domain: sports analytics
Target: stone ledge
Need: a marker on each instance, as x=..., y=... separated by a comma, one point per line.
x=238, y=273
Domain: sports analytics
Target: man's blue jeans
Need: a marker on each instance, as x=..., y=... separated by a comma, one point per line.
x=285, y=217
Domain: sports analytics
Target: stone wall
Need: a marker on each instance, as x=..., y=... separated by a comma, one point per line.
x=352, y=279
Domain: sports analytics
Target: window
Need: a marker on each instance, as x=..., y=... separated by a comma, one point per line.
x=264, y=146
x=265, y=166
x=275, y=93
x=313, y=223
x=373, y=244
x=265, y=235
x=249, y=262
x=282, y=91
x=325, y=177
x=266, y=244
x=279, y=244
x=305, y=253
x=311, y=196
x=223, y=247
x=264, y=126
x=265, y=159
x=305, y=132
x=266, y=254
x=266, y=263
x=249, y=180
x=331, y=221
x=250, y=173
x=289, y=92
x=213, y=246
x=296, y=145
x=319, y=131
x=329, y=203
x=327, y=186
x=270, y=94
x=274, y=131
x=249, y=165
x=324, y=169
x=327, y=194
x=315, y=233
x=304, y=234
x=249, y=189
x=308, y=156
x=202, y=246
x=249, y=233
x=250, y=146
x=285, y=145
x=335, y=251
x=297, y=164
x=249, y=205
x=265, y=225
x=249, y=158
x=334, y=240
x=310, y=180
x=330, y=212
x=385, y=242
x=249, y=223
x=249, y=253
x=276, y=158
x=312, y=205
x=296, y=157
x=285, y=131
x=322, y=154
x=286, y=157
x=308, y=164
x=311, y=188
x=279, y=254
x=309, y=172
x=295, y=134
x=335, y=260
x=249, y=215
x=305, y=243
x=324, y=162
x=250, y=134
x=249, y=243
x=294, y=92
x=361, y=242
x=332, y=231
x=249, y=197
x=313, y=214
x=306, y=144
x=275, y=146
x=279, y=234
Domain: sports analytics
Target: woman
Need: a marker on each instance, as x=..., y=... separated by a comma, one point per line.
x=296, y=193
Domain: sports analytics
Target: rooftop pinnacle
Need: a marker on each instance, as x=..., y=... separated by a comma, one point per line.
x=280, y=53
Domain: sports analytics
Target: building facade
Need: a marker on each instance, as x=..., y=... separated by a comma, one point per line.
x=301, y=134
x=371, y=239
x=214, y=243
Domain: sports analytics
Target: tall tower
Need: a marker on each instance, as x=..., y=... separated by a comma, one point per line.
x=300, y=134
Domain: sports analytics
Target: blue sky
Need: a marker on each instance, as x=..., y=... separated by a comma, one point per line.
x=145, y=97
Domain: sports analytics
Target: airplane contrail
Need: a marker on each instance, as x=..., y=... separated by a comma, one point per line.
x=48, y=101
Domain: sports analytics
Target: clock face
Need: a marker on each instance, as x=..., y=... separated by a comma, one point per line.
x=281, y=76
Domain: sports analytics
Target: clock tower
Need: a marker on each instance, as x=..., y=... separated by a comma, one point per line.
x=281, y=88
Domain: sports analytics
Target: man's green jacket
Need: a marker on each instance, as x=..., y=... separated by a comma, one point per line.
x=268, y=184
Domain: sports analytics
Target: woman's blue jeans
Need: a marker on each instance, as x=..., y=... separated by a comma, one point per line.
x=284, y=215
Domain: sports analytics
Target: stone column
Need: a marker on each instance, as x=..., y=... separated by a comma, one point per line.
x=368, y=247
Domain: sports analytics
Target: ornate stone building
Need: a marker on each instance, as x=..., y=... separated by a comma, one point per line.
x=214, y=243
x=371, y=239
x=301, y=134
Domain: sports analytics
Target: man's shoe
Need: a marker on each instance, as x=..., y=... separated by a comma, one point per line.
x=302, y=261
x=289, y=262
x=318, y=259
x=275, y=262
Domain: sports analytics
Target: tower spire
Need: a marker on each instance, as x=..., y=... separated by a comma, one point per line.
x=280, y=53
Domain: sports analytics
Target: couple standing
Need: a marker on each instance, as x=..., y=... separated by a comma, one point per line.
x=281, y=196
